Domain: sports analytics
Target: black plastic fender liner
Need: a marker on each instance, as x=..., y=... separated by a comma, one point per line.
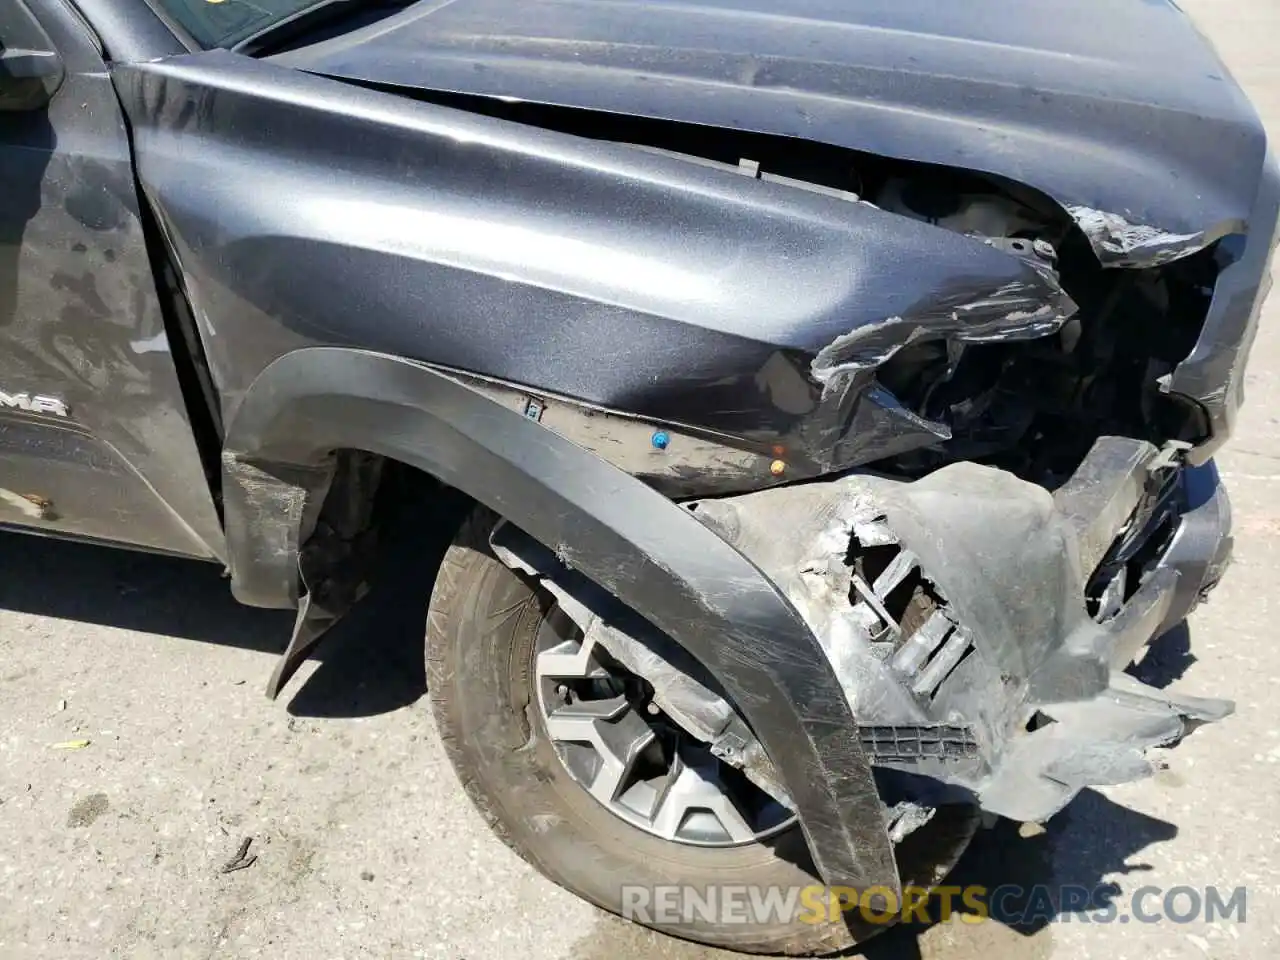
x=647, y=551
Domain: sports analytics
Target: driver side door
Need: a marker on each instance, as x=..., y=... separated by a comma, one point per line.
x=95, y=437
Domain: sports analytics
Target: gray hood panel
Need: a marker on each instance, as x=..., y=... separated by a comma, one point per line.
x=1120, y=111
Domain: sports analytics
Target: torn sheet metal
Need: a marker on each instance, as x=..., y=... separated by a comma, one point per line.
x=856, y=420
x=1014, y=311
x=1120, y=243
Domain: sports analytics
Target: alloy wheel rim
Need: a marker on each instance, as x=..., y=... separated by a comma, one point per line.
x=630, y=757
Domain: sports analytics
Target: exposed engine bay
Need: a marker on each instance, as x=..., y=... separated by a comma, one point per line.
x=1035, y=408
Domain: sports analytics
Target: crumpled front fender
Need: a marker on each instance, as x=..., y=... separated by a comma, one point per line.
x=306, y=212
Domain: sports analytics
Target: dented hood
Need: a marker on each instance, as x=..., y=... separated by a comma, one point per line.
x=1117, y=109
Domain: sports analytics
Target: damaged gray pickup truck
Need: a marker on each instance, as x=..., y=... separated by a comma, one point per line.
x=832, y=387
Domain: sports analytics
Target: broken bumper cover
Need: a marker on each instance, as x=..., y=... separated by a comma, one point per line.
x=977, y=624
x=1074, y=741
x=980, y=625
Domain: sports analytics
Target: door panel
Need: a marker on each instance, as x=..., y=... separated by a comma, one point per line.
x=95, y=439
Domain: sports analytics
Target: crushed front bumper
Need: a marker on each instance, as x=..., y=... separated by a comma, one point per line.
x=1173, y=547
x=979, y=625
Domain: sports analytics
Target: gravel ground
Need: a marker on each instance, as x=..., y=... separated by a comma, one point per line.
x=364, y=843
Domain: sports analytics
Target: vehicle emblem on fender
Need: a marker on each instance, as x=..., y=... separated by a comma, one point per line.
x=36, y=404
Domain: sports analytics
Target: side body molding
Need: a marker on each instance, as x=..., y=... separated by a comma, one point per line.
x=612, y=528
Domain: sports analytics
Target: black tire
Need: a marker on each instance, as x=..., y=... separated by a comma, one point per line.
x=481, y=629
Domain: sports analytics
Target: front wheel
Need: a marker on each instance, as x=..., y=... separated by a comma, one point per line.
x=573, y=766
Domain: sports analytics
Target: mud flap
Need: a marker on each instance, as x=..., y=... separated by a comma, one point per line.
x=312, y=623
x=331, y=587
x=333, y=577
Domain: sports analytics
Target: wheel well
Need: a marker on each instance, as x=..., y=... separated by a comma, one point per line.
x=376, y=491
x=651, y=554
x=368, y=497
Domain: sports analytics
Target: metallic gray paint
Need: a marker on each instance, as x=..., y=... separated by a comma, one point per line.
x=303, y=212
x=80, y=320
x=30, y=69
x=779, y=275
x=132, y=30
x=1214, y=371
x=1100, y=107
x=1121, y=112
